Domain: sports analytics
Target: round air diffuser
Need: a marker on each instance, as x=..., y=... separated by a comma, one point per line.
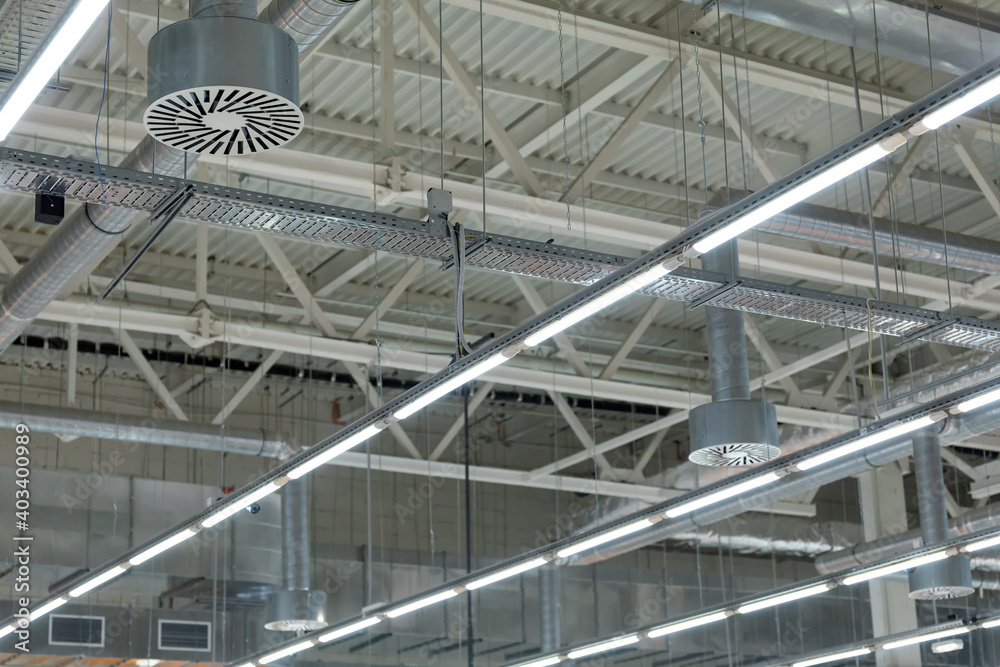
x=223, y=85
x=733, y=434
x=296, y=610
x=944, y=580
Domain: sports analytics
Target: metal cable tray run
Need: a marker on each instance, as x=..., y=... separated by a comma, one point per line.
x=26, y=171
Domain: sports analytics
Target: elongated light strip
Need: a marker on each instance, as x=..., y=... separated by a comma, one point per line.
x=421, y=603
x=979, y=401
x=723, y=494
x=775, y=600
x=982, y=544
x=833, y=657
x=604, y=538
x=287, y=651
x=895, y=567
x=507, y=573
x=43, y=67
x=240, y=503
x=6, y=630
x=423, y=400
x=603, y=647
x=975, y=96
x=350, y=629
x=97, y=581
x=857, y=444
x=160, y=547
x=809, y=187
x=680, y=626
x=332, y=453
x=589, y=308
x=44, y=609
x=544, y=662
x=920, y=639
x=991, y=624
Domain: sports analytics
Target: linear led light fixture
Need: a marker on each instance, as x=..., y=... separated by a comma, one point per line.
x=605, y=537
x=987, y=625
x=680, y=626
x=979, y=401
x=920, y=639
x=240, y=503
x=161, y=546
x=50, y=55
x=326, y=456
x=723, y=494
x=100, y=579
x=506, y=573
x=421, y=401
x=421, y=603
x=976, y=95
x=287, y=651
x=833, y=657
x=348, y=630
x=544, y=662
x=6, y=630
x=865, y=441
x=896, y=567
x=589, y=308
x=812, y=185
x=775, y=600
x=982, y=544
x=603, y=647
x=46, y=608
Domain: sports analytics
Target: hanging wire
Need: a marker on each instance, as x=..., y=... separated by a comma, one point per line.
x=104, y=97
x=562, y=103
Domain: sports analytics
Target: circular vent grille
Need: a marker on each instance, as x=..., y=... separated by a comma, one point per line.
x=942, y=593
x=223, y=120
x=735, y=455
x=295, y=625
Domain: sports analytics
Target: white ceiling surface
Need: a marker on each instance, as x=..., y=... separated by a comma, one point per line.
x=520, y=53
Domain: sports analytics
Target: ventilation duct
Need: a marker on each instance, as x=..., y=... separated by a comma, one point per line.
x=732, y=430
x=225, y=82
x=296, y=608
x=952, y=577
x=87, y=235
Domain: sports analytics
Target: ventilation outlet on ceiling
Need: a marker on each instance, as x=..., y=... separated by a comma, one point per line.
x=185, y=635
x=734, y=433
x=223, y=86
x=76, y=630
x=944, y=580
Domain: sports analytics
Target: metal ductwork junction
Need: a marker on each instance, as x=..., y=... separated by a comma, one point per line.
x=732, y=430
x=952, y=577
x=225, y=82
x=296, y=608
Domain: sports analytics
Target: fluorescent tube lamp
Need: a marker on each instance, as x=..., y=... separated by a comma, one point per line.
x=512, y=571
x=833, y=657
x=975, y=96
x=422, y=401
x=160, y=547
x=585, y=310
x=332, y=453
x=420, y=604
x=248, y=664
x=865, y=441
x=809, y=187
x=680, y=626
x=982, y=544
x=782, y=599
x=43, y=67
x=240, y=503
x=44, y=609
x=991, y=624
x=544, y=662
x=979, y=401
x=97, y=581
x=722, y=494
x=919, y=639
x=348, y=630
x=603, y=646
x=897, y=567
x=9, y=628
x=603, y=538
x=285, y=652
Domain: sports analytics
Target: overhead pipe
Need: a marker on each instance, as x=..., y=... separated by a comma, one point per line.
x=129, y=428
x=92, y=230
x=956, y=429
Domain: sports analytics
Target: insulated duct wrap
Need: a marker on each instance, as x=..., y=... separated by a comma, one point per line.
x=307, y=20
